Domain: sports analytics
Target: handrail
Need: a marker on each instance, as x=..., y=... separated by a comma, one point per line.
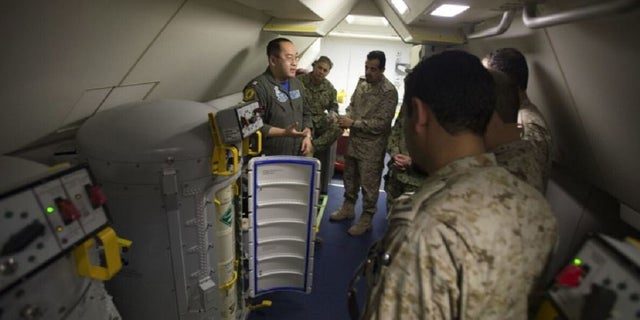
x=505, y=23
x=530, y=20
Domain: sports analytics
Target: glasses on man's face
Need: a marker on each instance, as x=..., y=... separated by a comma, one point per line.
x=291, y=58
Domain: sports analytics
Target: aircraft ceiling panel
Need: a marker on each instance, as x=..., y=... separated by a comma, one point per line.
x=288, y=9
x=419, y=12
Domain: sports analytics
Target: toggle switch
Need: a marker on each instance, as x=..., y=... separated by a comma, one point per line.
x=68, y=210
x=96, y=195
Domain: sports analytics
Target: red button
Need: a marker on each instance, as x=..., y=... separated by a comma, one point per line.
x=570, y=276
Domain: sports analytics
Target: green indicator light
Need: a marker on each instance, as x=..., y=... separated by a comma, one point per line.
x=50, y=209
x=577, y=261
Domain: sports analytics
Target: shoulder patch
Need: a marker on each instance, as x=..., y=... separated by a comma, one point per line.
x=249, y=94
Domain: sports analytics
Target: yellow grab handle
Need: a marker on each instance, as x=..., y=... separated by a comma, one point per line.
x=228, y=285
x=219, y=156
x=111, y=244
x=262, y=304
x=245, y=145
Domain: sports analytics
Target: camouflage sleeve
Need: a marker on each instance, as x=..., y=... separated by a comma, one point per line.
x=416, y=285
x=307, y=115
x=396, y=139
x=253, y=91
x=348, y=109
x=333, y=106
x=380, y=121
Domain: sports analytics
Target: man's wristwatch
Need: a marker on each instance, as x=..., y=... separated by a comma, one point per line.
x=310, y=137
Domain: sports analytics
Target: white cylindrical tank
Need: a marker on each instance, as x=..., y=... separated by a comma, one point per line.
x=153, y=160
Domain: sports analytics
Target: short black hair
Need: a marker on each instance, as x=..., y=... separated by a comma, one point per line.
x=512, y=62
x=377, y=55
x=507, y=97
x=324, y=59
x=458, y=89
x=273, y=48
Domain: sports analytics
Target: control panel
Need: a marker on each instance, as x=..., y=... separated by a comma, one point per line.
x=239, y=122
x=42, y=220
x=601, y=282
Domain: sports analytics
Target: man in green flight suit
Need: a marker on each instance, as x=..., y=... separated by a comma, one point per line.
x=286, y=115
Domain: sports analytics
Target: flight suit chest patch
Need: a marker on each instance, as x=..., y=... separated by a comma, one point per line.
x=295, y=94
x=281, y=96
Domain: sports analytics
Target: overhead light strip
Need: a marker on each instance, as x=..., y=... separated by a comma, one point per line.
x=363, y=36
x=366, y=20
x=449, y=10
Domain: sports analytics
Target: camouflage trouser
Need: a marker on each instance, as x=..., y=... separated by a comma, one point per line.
x=366, y=174
x=325, y=135
x=395, y=188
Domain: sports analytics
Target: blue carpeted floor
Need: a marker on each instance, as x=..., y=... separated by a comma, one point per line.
x=336, y=259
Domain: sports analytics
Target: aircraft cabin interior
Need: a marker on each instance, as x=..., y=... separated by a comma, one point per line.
x=130, y=104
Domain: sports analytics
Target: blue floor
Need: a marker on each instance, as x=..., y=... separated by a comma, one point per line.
x=336, y=259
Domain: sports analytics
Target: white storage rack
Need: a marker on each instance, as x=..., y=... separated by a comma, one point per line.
x=283, y=191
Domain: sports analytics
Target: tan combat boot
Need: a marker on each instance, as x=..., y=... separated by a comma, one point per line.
x=346, y=211
x=363, y=225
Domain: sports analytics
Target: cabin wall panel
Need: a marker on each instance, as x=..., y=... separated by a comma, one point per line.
x=57, y=52
x=600, y=61
x=208, y=50
x=548, y=89
x=54, y=51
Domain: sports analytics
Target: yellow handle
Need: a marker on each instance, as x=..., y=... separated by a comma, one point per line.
x=228, y=285
x=222, y=168
x=246, y=148
x=219, y=156
x=111, y=244
x=262, y=304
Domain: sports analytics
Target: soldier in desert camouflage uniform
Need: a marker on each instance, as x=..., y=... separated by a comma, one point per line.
x=401, y=176
x=523, y=158
x=322, y=99
x=471, y=242
x=513, y=63
x=369, y=118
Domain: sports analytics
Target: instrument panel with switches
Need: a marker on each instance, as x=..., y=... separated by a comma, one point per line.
x=601, y=282
x=46, y=218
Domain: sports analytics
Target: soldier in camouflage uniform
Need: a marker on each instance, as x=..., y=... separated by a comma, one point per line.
x=513, y=63
x=523, y=158
x=368, y=119
x=322, y=99
x=284, y=111
x=401, y=176
x=471, y=242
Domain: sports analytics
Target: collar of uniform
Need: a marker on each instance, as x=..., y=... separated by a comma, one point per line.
x=404, y=208
x=463, y=165
x=380, y=84
x=516, y=144
x=271, y=78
